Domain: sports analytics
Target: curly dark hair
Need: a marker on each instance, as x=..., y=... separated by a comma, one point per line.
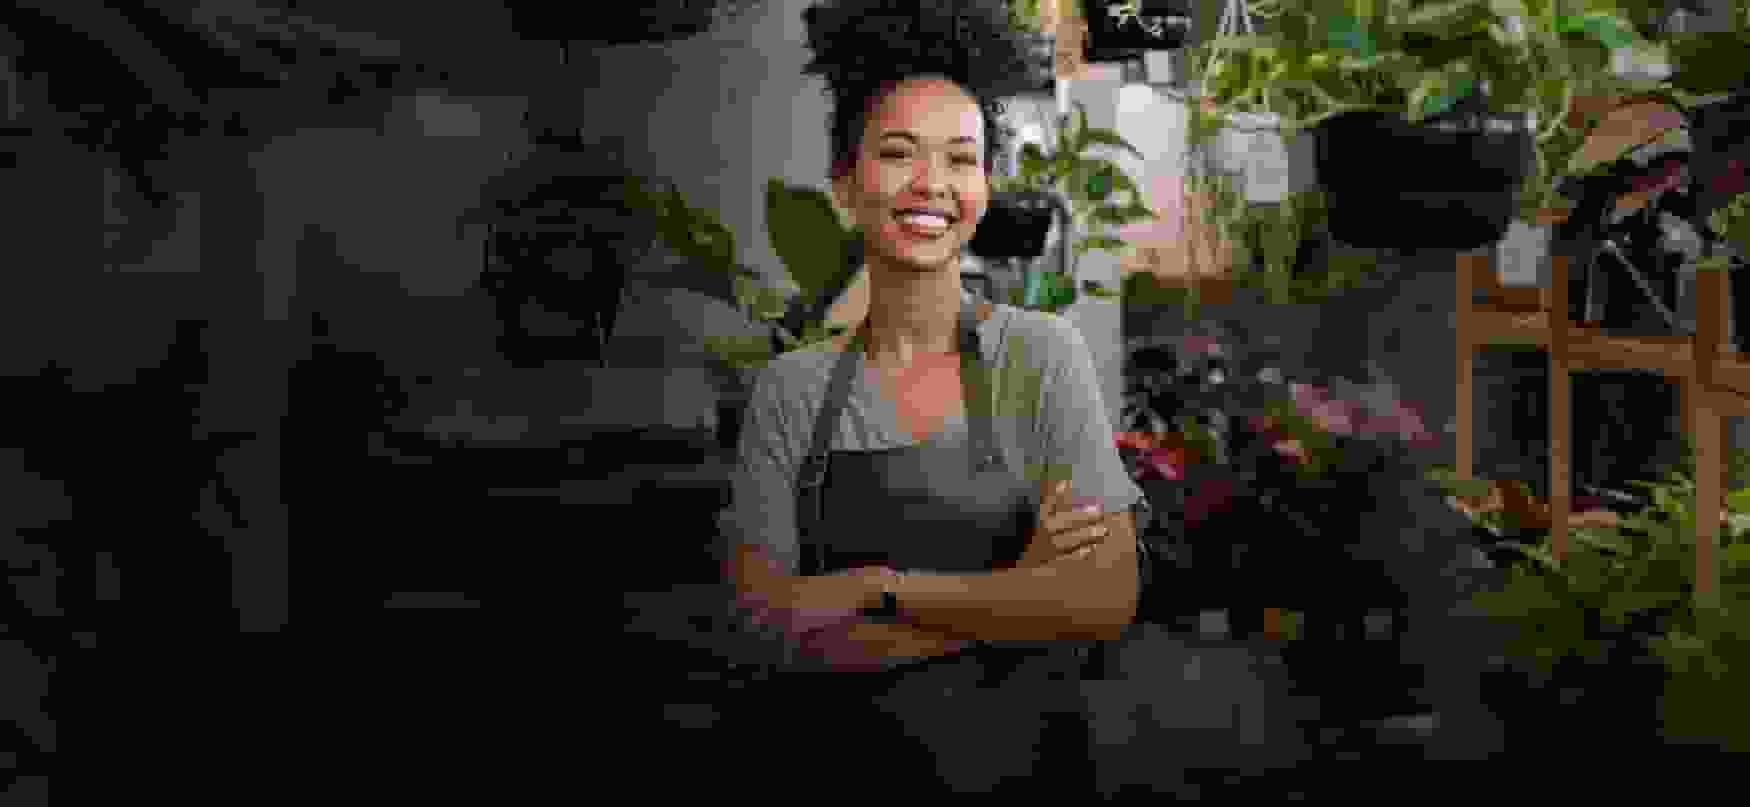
x=863, y=48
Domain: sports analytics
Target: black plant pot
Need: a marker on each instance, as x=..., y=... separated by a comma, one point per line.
x=1015, y=226
x=1446, y=184
x=1720, y=134
x=1160, y=25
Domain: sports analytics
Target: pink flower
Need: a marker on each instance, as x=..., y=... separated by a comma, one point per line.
x=1403, y=421
x=1336, y=416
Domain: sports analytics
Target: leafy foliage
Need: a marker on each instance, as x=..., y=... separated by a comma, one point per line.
x=1632, y=585
x=1098, y=193
x=804, y=232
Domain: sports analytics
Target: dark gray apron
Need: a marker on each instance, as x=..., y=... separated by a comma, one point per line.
x=952, y=504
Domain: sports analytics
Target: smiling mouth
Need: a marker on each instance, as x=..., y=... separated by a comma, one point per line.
x=923, y=227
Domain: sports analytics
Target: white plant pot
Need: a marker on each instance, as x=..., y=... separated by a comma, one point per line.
x=1270, y=166
x=1522, y=254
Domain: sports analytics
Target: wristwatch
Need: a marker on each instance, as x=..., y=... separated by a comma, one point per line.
x=888, y=610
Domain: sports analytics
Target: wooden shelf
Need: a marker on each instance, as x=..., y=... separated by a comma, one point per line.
x=1714, y=382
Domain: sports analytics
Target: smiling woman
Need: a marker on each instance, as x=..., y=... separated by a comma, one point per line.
x=897, y=510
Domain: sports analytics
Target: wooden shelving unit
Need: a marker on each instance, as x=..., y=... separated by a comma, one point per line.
x=1713, y=378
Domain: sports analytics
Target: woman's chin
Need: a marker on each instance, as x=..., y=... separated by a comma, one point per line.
x=924, y=261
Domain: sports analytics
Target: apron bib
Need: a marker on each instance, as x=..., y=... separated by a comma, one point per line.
x=951, y=504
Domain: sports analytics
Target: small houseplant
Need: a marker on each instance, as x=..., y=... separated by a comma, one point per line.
x=1086, y=191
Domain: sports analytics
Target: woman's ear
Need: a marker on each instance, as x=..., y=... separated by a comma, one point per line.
x=842, y=202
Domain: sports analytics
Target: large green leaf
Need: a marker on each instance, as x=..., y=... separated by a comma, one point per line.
x=805, y=233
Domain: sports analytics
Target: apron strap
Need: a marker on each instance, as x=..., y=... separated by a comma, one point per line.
x=811, y=478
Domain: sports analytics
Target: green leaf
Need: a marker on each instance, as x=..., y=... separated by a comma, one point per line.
x=1610, y=30
x=805, y=233
x=1348, y=33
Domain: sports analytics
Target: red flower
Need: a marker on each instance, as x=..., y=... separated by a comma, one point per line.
x=1666, y=178
x=1136, y=440
x=1165, y=463
x=1731, y=181
x=1209, y=498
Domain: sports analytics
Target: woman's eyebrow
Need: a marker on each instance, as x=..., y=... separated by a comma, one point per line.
x=908, y=136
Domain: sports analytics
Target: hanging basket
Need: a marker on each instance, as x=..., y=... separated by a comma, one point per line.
x=1451, y=184
x=1253, y=147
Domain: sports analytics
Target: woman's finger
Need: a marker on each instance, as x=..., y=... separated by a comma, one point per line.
x=1073, y=520
x=1074, y=539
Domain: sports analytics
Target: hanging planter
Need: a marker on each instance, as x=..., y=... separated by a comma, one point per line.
x=1119, y=30
x=1251, y=144
x=1271, y=167
x=1449, y=183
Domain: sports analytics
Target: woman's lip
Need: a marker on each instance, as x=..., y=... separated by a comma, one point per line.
x=915, y=232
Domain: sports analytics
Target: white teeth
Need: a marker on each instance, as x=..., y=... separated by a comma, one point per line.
x=924, y=221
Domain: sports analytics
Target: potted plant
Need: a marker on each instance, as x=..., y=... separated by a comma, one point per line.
x=1451, y=88
x=1624, y=593
x=1085, y=191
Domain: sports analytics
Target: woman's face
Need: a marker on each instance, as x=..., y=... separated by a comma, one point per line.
x=922, y=149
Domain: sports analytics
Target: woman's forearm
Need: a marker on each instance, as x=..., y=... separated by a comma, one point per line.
x=1074, y=598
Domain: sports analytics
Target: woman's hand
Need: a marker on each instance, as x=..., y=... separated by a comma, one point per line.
x=853, y=643
x=1063, y=529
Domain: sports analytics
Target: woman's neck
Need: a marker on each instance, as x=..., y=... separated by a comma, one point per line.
x=912, y=314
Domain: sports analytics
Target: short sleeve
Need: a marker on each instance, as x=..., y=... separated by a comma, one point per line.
x=1076, y=431
x=762, y=507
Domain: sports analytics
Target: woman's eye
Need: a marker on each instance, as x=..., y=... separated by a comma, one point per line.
x=893, y=155
x=966, y=160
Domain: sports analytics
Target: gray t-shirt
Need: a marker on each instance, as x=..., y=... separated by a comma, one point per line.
x=1049, y=416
